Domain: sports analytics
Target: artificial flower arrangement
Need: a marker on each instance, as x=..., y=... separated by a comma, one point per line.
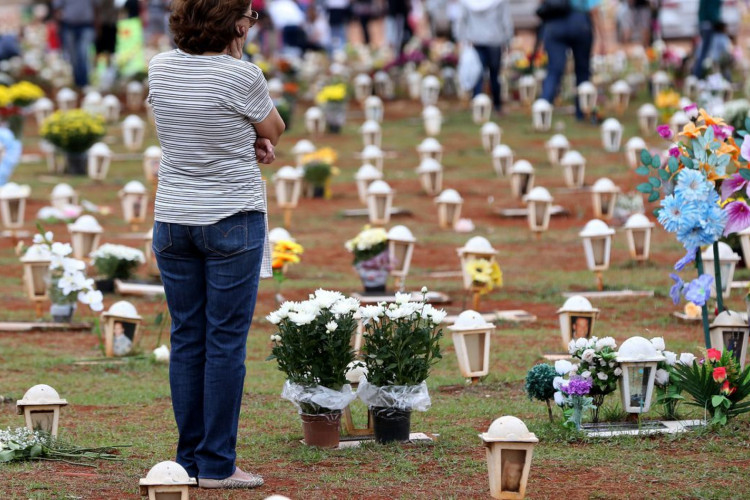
x=485, y=275
x=21, y=444
x=14, y=99
x=335, y=92
x=668, y=389
x=371, y=260
x=284, y=252
x=667, y=102
x=319, y=169
x=117, y=261
x=73, y=131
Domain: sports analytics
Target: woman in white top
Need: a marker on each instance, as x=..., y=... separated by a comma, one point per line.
x=215, y=122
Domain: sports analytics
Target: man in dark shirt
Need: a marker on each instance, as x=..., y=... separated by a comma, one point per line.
x=709, y=16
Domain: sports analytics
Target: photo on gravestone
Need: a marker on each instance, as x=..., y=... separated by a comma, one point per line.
x=42, y=420
x=639, y=376
x=14, y=206
x=733, y=341
x=580, y=326
x=123, y=336
x=512, y=469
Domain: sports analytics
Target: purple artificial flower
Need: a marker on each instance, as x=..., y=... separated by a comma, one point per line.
x=731, y=185
x=699, y=290
x=745, y=150
x=691, y=111
x=727, y=130
x=665, y=131
x=577, y=386
x=739, y=217
x=674, y=292
x=675, y=152
x=687, y=259
x=720, y=133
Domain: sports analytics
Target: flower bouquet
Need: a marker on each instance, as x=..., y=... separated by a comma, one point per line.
x=73, y=132
x=333, y=100
x=318, y=170
x=22, y=444
x=13, y=100
x=594, y=360
x=371, y=260
x=668, y=390
x=485, y=276
x=284, y=252
x=115, y=262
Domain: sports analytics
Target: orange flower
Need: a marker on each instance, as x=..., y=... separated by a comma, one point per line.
x=710, y=171
x=277, y=264
x=291, y=88
x=690, y=130
x=710, y=120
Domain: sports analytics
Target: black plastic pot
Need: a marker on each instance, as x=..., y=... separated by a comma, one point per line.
x=391, y=424
x=105, y=285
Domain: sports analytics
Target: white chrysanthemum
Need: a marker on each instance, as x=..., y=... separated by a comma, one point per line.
x=402, y=298
x=572, y=347
x=61, y=249
x=424, y=289
x=437, y=316
x=326, y=298
x=687, y=358
x=371, y=312
x=671, y=357
x=658, y=343
x=273, y=318
x=345, y=306
x=119, y=252
x=301, y=318
x=331, y=326
x=309, y=307
x=605, y=342
x=398, y=312
x=563, y=366
x=662, y=377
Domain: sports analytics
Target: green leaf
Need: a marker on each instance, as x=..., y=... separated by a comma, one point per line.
x=653, y=197
x=673, y=163
x=159, y=318
x=642, y=170
x=747, y=123
x=35, y=451
x=664, y=175
x=717, y=400
x=646, y=156
x=646, y=187
x=655, y=161
x=7, y=455
x=655, y=181
x=745, y=173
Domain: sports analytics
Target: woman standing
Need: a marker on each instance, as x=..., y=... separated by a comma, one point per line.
x=215, y=122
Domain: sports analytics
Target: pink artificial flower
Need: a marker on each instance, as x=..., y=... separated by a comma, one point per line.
x=675, y=151
x=739, y=217
x=731, y=185
x=745, y=150
x=719, y=132
x=666, y=132
x=691, y=111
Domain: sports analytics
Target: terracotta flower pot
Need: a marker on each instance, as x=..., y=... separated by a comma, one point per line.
x=321, y=430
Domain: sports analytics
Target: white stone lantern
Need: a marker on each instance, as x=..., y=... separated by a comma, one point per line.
x=556, y=147
x=43, y=109
x=133, y=130
x=481, y=108
x=471, y=339
x=379, y=203
x=449, y=205
x=527, y=87
x=383, y=85
x=521, y=178
x=727, y=262
x=638, y=230
x=587, y=94
x=577, y=319
x=432, y=119
x=414, y=85
x=371, y=133
x=121, y=324
x=690, y=87
x=633, y=149
x=134, y=96
x=275, y=88
x=167, y=481
x=364, y=177
x=430, y=148
x=604, y=197
x=620, y=91
x=40, y=407
x=491, y=134
x=539, y=208
x=53, y=157
x=430, y=174
x=36, y=263
x=476, y=248
x=574, y=169
x=67, y=99
x=597, y=246
x=112, y=106
x=315, y=121
x=63, y=195
x=92, y=103
x=134, y=200
x=151, y=162
x=400, y=250
x=611, y=135
x=678, y=120
x=745, y=244
x=98, y=161
x=430, y=90
x=302, y=148
x=638, y=358
x=502, y=159
x=374, y=156
x=374, y=109
x=13, y=204
x=659, y=82
x=354, y=373
x=648, y=119
x=729, y=332
x=288, y=184
x=509, y=446
x=85, y=233
x=541, y=115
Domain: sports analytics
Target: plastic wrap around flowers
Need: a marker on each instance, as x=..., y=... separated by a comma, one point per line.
x=11, y=154
x=402, y=397
x=317, y=395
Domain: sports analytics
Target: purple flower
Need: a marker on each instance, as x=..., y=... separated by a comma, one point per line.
x=577, y=386
x=664, y=131
x=691, y=111
x=699, y=290
x=674, y=292
x=739, y=217
x=687, y=259
x=731, y=185
x=675, y=152
x=720, y=133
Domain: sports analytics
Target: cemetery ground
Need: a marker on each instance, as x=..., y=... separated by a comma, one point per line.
x=126, y=401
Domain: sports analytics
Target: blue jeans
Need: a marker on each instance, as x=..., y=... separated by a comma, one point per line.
x=490, y=55
x=707, y=34
x=210, y=276
x=573, y=32
x=77, y=41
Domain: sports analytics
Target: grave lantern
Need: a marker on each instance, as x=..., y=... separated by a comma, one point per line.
x=383, y=85
x=362, y=87
x=301, y=148
x=67, y=99
x=111, y=105
x=638, y=230
x=430, y=90
x=148, y=253
x=92, y=103
x=541, y=115
x=134, y=200
x=374, y=156
x=43, y=109
x=678, y=120
x=63, y=195
x=371, y=133
x=745, y=244
x=502, y=159
x=476, y=248
x=727, y=262
x=374, y=109
x=288, y=184
x=85, y=233
x=354, y=373
x=481, y=108
x=577, y=319
x=40, y=407
x=432, y=119
x=491, y=133
x=611, y=135
x=597, y=246
x=99, y=159
x=167, y=481
x=659, y=82
x=648, y=119
x=521, y=178
x=574, y=169
x=633, y=149
x=133, y=130
x=620, y=91
x=121, y=324
x=414, y=85
x=509, y=446
x=430, y=176
x=400, y=249
x=690, y=87
x=364, y=177
x=430, y=148
x=13, y=204
x=527, y=89
x=557, y=146
x=539, y=208
x=587, y=94
x=275, y=88
x=379, y=202
x=54, y=158
x=134, y=96
x=604, y=197
x=36, y=262
x=151, y=161
x=449, y=208
x=729, y=332
x=638, y=358
x=315, y=120
x=471, y=339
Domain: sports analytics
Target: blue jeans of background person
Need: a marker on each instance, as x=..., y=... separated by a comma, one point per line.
x=707, y=34
x=490, y=55
x=77, y=41
x=573, y=32
x=210, y=276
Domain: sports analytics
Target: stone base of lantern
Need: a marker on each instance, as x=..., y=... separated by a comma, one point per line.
x=642, y=428
x=610, y=294
x=42, y=326
x=363, y=212
x=346, y=442
x=524, y=212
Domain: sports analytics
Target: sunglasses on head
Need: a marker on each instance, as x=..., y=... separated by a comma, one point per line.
x=253, y=17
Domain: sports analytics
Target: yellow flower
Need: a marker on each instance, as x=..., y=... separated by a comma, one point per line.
x=691, y=130
x=522, y=63
x=480, y=270
x=711, y=120
x=5, y=98
x=25, y=93
x=497, y=275
x=667, y=99
x=334, y=93
x=324, y=155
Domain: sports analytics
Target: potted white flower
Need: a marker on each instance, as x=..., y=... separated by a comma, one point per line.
x=371, y=260
x=115, y=262
x=594, y=359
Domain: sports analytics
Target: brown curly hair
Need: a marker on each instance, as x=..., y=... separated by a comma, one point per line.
x=202, y=26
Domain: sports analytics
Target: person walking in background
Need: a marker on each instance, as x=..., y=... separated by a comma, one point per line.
x=487, y=25
x=363, y=10
x=396, y=25
x=709, y=17
x=575, y=31
x=339, y=13
x=76, y=19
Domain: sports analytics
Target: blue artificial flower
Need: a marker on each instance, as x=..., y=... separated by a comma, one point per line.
x=694, y=236
x=11, y=156
x=687, y=259
x=713, y=221
x=699, y=290
x=674, y=292
x=692, y=185
x=671, y=213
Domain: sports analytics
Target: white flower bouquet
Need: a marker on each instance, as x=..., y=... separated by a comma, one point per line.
x=596, y=361
x=117, y=261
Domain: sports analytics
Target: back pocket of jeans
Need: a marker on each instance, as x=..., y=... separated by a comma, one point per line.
x=162, y=236
x=227, y=237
